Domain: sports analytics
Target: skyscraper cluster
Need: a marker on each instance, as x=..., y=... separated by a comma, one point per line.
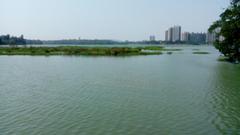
x=173, y=34
x=197, y=38
x=152, y=38
x=210, y=38
x=185, y=36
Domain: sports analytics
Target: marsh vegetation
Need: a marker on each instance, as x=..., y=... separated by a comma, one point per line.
x=76, y=50
x=201, y=53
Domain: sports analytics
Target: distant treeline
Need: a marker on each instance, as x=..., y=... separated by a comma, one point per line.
x=83, y=41
x=12, y=40
x=96, y=41
x=32, y=42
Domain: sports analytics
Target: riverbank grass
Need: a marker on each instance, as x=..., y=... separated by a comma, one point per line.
x=201, y=53
x=76, y=50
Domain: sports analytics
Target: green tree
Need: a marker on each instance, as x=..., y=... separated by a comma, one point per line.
x=227, y=30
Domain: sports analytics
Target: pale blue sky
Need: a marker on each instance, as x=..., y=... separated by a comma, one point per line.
x=105, y=19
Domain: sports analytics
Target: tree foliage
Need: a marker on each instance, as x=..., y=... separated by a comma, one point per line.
x=227, y=30
x=10, y=40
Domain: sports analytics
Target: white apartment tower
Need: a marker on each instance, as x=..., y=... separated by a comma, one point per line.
x=173, y=34
x=176, y=33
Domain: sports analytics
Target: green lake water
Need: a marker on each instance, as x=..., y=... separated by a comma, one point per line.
x=178, y=94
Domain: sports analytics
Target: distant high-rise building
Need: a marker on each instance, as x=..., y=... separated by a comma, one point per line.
x=166, y=35
x=170, y=34
x=197, y=38
x=173, y=34
x=210, y=38
x=185, y=36
x=176, y=33
x=152, y=38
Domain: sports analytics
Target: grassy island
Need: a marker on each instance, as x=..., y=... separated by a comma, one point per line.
x=201, y=53
x=88, y=51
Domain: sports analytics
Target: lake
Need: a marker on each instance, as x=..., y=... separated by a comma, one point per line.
x=178, y=94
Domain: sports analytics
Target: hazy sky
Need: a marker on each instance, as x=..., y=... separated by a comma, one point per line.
x=105, y=19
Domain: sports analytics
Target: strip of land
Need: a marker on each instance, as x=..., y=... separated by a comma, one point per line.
x=87, y=51
x=201, y=53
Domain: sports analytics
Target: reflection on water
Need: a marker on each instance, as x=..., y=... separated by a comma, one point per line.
x=225, y=99
x=181, y=94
